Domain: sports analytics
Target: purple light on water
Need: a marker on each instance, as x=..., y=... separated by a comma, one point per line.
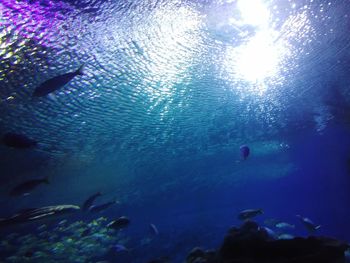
x=40, y=21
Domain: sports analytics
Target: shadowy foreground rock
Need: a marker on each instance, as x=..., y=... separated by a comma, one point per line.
x=252, y=244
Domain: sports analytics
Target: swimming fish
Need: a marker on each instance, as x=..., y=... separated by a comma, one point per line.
x=249, y=213
x=285, y=236
x=153, y=229
x=28, y=186
x=33, y=214
x=120, y=248
x=18, y=141
x=119, y=223
x=100, y=208
x=56, y=83
x=88, y=203
x=284, y=225
x=245, y=151
x=310, y=226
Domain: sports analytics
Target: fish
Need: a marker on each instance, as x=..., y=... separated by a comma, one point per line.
x=18, y=141
x=269, y=232
x=249, y=213
x=245, y=151
x=28, y=186
x=310, y=226
x=153, y=229
x=34, y=214
x=102, y=207
x=119, y=223
x=56, y=83
x=120, y=248
x=88, y=203
x=285, y=236
x=284, y=225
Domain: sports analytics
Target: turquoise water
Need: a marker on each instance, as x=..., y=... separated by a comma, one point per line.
x=170, y=91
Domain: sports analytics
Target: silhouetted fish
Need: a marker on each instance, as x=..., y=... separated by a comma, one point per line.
x=249, y=213
x=99, y=208
x=28, y=186
x=245, y=151
x=56, y=83
x=33, y=214
x=88, y=203
x=119, y=223
x=19, y=141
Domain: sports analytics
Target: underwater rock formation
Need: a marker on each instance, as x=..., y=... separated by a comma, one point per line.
x=252, y=244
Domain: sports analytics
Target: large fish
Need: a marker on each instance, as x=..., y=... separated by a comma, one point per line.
x=56, y=83
x=34, y=214
x=89, y=202
x=28, y=186
x=18, y=141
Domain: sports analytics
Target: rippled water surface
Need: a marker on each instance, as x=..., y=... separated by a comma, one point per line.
x=170, y=91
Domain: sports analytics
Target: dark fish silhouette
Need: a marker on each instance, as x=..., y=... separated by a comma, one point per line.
x=34, y=214
x=88, y=203
x=18, y=141
x=119, y=223
x=100, y=208
x=28, y=186
x=56, y=82
x=245, y=151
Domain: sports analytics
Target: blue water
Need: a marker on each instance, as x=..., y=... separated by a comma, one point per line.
x=170, y=91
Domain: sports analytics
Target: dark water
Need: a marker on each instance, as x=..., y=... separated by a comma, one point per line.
x=170, y=91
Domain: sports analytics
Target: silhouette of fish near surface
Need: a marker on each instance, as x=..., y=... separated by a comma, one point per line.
x=28, y=186
x=34, y=214
x=18, y=141
x=89, y=202
x=56, y=83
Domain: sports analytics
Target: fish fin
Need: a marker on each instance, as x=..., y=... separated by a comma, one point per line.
x=80, y=70
x=317, y=227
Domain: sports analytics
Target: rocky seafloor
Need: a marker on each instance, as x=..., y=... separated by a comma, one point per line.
x=95, y=242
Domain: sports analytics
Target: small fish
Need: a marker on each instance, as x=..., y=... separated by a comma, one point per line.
x=18, y=141
x=249, y=213
x=310, y=226
x=245, y=151
x=88, y=203
x=153, y=229
x=119, y=223
x=28, y=186
x=102, y=207
x=284, y=225
x=120, y=248
x=56, y=83
x=285, y=236
x=34, y=214
x=270, y=232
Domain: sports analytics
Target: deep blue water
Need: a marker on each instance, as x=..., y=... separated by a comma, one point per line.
x=170, y=91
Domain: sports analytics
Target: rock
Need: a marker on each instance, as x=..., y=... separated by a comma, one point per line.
x=251, y=244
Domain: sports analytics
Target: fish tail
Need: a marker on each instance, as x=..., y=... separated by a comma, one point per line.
x=80, y=70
